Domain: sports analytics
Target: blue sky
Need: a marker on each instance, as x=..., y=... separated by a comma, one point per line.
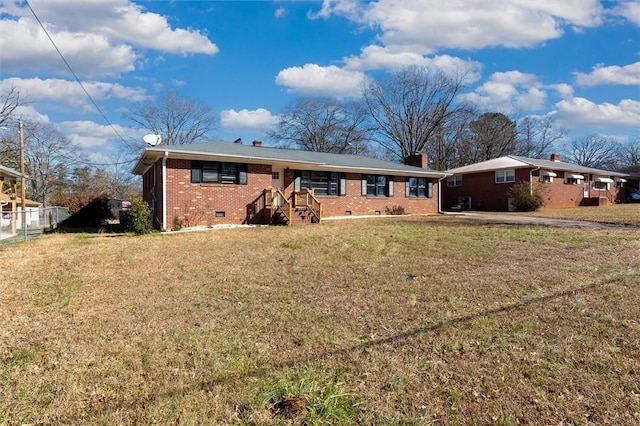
x=578, y=60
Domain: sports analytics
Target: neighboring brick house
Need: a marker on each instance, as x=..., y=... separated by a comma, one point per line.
x=486, y=185
x=230, y=183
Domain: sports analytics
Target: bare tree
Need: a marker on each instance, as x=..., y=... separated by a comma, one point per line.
x=177, y=120
x=324, y=125
x=593, y=151
x=10, y=99
x=411, y=106
x=46, y=153
x=536, y=136
x=629, y=155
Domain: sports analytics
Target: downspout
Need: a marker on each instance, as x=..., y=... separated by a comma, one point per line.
x=440, y=194
x=164, y=190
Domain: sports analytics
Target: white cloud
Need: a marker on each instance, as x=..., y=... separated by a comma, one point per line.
x=563, y=90
x=630, y=10
x=348, y=8
x=508, y=91
x=96, y=37
x=378, y=57
x=280, y=12
x=313, y=79
x=28, y=112
x=427, y=26
x=24, y=46
x=70, y=93
x=88, y=134
x=258, y=119
x=626, y=75
x=581, y=112
x=120, y=20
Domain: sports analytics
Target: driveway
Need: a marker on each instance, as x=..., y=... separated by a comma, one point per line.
x=518, y=219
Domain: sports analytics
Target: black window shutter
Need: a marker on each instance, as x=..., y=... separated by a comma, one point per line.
x=196, y=172
x=242, y=174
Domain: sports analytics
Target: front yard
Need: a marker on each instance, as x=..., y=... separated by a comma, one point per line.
x=400, y=320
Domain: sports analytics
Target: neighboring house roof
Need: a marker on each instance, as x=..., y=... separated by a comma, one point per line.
x=29, y=203
x=6, y=172
x=309, y=160
x=516, y=162
x=633, y=171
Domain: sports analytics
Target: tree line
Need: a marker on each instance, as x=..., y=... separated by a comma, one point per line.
x=412, y=110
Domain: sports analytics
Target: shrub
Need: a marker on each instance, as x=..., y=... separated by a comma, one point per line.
x=524, y=200
x=395, y=210
x=138, y=218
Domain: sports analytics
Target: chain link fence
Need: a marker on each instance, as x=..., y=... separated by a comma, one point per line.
x=32, y=223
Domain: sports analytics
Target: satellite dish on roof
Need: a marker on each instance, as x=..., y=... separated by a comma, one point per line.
x=152, y=140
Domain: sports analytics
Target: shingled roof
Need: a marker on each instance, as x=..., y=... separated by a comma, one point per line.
x=308, y=160
x=516, y=162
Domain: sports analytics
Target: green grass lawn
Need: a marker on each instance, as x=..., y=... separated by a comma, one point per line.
x=624, y=214
x=400, y=320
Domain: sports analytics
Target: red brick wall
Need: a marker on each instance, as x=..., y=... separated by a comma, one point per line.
x=487, y=195
x=196, y=204
x=558, y=194
x=360, y=204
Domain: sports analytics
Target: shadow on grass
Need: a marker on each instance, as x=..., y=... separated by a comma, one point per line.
x=400, y=337
x=112, y=229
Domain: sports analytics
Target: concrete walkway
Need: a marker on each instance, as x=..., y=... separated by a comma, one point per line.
x=518, y=219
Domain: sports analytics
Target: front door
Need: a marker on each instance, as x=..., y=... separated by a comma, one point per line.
x=277, y=179
x=586, y=186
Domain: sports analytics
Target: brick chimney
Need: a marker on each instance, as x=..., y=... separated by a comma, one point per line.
x=555, y=157
x=257, y=143
x=417, y=160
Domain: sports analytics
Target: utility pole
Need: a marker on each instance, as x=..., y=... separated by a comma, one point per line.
x=23, y=182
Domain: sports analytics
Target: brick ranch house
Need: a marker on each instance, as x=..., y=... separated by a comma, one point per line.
x=230, y=183
x=486, y=185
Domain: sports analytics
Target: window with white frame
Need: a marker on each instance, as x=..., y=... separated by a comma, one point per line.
x=455, y=180
x=573, y=179
x=505, y=176
x=602, y=183
x=546, y=176
x=600, y=186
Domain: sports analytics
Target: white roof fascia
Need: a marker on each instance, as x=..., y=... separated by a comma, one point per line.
x=490, y=165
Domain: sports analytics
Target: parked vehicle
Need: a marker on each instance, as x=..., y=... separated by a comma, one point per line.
x=633, y=195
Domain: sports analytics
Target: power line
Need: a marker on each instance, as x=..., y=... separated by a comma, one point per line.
x=81, y=85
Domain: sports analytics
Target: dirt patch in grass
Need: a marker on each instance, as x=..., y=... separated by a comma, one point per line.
x=319, y=324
